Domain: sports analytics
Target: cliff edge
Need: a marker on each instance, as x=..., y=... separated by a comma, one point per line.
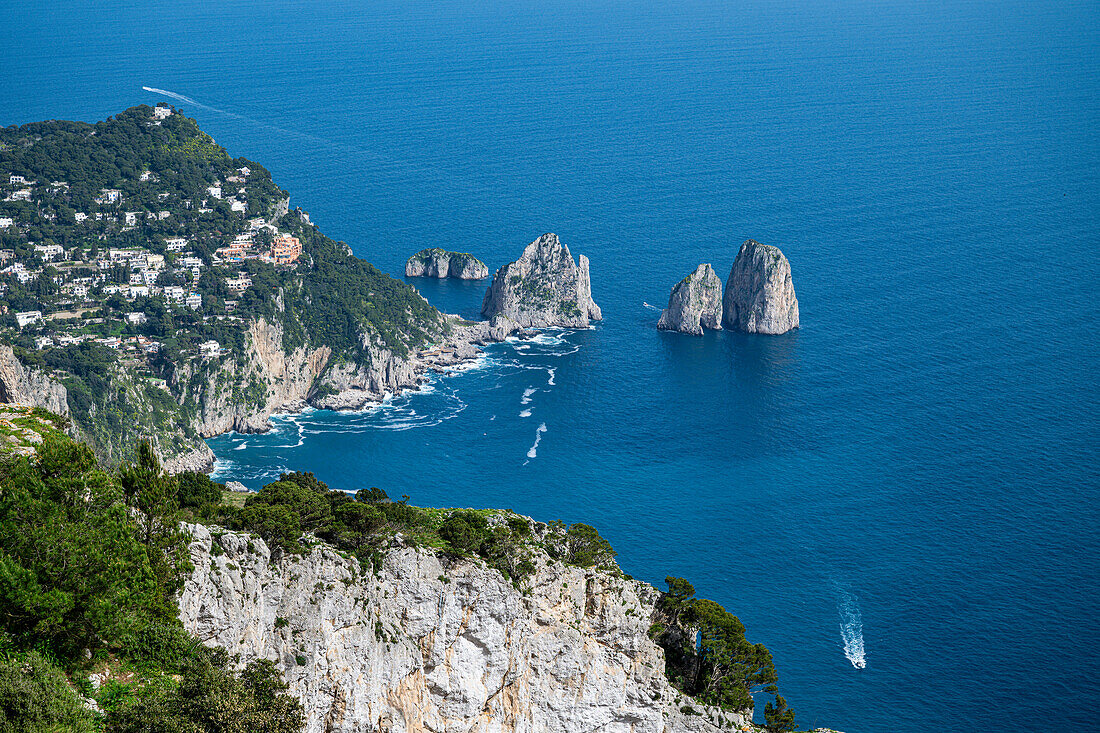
x=428, y=642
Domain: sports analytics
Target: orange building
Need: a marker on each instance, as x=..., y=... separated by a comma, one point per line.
x=286, y=250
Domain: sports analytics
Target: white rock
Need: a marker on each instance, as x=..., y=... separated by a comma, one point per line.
x=759, y=292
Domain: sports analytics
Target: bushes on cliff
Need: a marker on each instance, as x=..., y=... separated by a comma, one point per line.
x=35, y=697
x=708, y=657
x=579, y=545
x=211, y=699
x=89, y=564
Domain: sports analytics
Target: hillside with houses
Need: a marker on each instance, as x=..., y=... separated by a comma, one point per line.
x=155, y=278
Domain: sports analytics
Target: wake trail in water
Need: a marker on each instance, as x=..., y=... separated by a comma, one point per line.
x=538, y=438
x=851, y=628
x=285, y=131
x=651, y=307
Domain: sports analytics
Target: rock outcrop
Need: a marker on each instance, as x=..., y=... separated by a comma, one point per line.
x=28, y=386
x=430, y=643
x=544, y=287
x=759, y=292
x=695, y=303
x=436, y=262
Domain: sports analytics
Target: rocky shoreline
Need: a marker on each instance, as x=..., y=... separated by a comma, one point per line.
x=462, y=346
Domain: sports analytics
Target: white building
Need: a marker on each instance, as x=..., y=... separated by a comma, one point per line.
x=49, y=252
x=109, y=196
x=5, y=222
x=132, y=218
x=175, y=244
x=80, y=216
x=136, y=318
x=161, y=113
x=139, y=291
x=28, y=317
x=174, y=293
x=21, y=195
x=210, y=349
x=149, y=277
x=193, y=301
x=43, y=342
x=238, y=284
x=215, y=191
x=239, y=206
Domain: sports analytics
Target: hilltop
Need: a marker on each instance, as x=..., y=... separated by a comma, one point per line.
x=155, y=285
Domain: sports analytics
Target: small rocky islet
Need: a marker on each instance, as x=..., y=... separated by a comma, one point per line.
x=440, y=263
x=759, y=296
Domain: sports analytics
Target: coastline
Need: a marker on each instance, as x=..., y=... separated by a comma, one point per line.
x=459, y=352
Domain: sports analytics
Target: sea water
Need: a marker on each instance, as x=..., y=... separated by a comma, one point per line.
x=900, y=498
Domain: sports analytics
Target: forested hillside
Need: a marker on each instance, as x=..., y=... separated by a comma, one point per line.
x=136, y=256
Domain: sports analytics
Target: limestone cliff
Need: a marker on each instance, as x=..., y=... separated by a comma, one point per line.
x=759, y=293
x=430, y=643
x=436, y=262
x=28, y=386
x=695, y=303
x=237, y=391
x=544, y=287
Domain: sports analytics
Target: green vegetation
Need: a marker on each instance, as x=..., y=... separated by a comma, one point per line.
x=90, y=561
x=708, y=657
x=160, y=173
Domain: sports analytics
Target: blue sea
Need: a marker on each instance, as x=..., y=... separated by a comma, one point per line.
x=910, y=479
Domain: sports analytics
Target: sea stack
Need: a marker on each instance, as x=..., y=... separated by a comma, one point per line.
x=695, y=303
x=436, y=262
x=544, y=287
x=759, y=292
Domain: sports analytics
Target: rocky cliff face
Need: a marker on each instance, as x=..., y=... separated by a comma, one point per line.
x=28, y=386
x=759, y=293
x=695, y=303
x=544, y=287
x=436, y=262
x=428, y=643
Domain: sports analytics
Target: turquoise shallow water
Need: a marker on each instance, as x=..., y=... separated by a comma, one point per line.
x=920, y=457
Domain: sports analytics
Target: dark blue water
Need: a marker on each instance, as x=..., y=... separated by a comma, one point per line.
x=921, y=454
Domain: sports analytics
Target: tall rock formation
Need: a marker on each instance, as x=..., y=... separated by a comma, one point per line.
x=427, y=642
x=759, y=292
x=695, y=303
x=436, y=262
x=543, y=288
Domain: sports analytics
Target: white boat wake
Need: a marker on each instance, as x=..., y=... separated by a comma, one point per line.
x=538, y=438
x=851, y=628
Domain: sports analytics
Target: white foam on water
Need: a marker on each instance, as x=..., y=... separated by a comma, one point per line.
x=851, y=628
x=525, y=413
x=551, y=371
x=526, y=400
x=538, y=438
x=494, y=417
x=242, y=446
